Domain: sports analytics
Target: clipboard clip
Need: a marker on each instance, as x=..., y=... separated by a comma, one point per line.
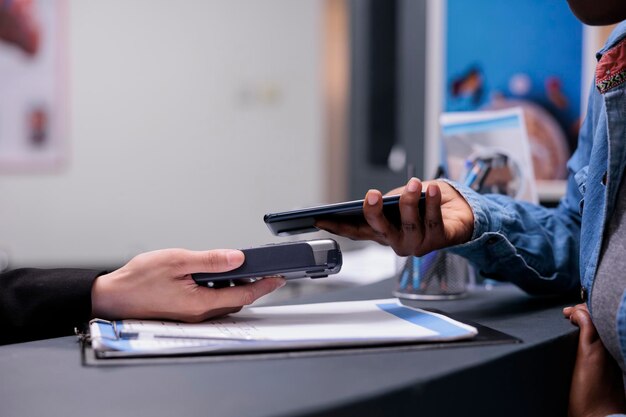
x=112, y=323
x=82, y=335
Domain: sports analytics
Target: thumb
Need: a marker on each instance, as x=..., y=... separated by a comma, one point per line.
x=216, y=260
x=582, y=319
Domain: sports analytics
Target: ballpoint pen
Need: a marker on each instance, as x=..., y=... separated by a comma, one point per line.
x=225, y=338
x=404, y=281
x=416, y=272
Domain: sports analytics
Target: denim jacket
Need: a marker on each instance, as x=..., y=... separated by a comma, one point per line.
x=555, y=250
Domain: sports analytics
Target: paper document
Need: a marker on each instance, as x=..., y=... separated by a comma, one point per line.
x=353, y=323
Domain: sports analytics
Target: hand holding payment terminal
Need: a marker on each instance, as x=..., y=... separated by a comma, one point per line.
x=312, y=258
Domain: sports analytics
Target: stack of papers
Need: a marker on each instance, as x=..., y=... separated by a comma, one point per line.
x=305, y=326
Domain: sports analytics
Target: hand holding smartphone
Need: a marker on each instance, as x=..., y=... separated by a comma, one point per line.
x=303, y=221
x=312, y=258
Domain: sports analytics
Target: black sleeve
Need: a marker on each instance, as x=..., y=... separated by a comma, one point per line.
x=44, y=303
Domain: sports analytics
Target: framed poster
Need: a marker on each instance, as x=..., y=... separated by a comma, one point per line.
x=489, y=152
x=32, y=85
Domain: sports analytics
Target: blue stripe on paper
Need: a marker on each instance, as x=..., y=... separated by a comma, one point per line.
x=483, y=125
x=428, y=321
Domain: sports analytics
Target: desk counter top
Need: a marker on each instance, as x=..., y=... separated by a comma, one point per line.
x=526, y=379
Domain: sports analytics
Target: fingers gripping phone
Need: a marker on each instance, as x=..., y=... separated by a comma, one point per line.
x=313, y=259
x=303, y=220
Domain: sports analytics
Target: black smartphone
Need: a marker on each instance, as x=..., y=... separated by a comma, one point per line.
x=303, y=220
x=311, y=258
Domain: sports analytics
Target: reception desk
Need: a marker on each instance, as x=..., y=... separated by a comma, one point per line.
x=531, y=378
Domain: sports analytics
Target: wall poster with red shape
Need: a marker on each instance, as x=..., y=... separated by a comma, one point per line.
x=32, y=85
x=519, y=54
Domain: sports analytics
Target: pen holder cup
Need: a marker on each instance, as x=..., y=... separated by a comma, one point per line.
x=439, y=275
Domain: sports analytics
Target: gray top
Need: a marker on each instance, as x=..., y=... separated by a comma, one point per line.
x=610, y=280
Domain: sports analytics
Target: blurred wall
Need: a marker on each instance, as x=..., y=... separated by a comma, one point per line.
x=188, y=121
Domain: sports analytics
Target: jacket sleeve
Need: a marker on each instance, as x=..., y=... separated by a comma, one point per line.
x=43, y=303
x=534, y=247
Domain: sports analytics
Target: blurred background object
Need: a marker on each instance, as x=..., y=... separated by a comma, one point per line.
x=525, y=54
x=185, y=125
x=490, y=152
x=33, y=86
x=143, y=124
x=19, y=26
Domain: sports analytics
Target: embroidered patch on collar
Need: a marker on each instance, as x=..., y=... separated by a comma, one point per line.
x=611, y=69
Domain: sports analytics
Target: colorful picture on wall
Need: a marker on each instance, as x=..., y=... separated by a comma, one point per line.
x=32, y=112
x=527, y=54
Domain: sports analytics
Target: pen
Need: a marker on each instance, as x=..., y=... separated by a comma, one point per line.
x=473, y=173
x=428, y=267
x=138, y=335
x=416, y=272
x=481, y=180
x=404, y=281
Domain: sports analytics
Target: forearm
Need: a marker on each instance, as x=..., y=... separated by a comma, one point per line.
x=38, y=303
x=532, y=246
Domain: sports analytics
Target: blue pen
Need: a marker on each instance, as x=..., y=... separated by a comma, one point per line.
x=416, y=272
x=428, y=262
x=404, y=281
x=473, y=173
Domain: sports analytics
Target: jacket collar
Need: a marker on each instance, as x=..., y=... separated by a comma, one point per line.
x=616, y=35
